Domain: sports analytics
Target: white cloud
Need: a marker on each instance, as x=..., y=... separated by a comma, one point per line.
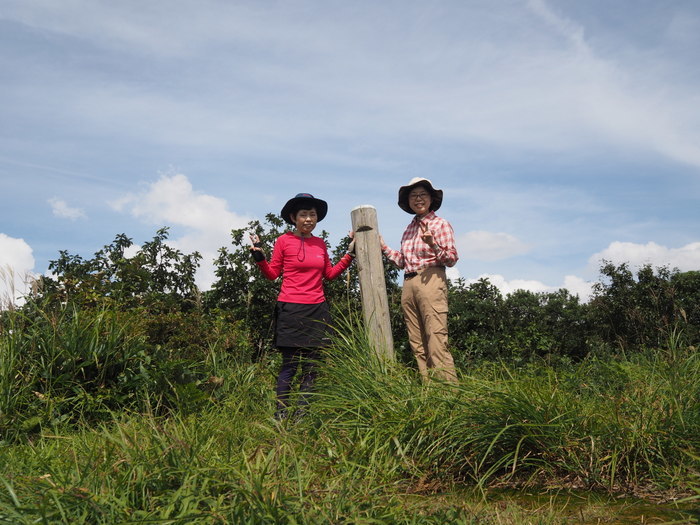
x=480, y=91
x=684, y=258
x=207, y=221
x=575, y=285
x=567, y=29
x=16, y=265
x=103, y=22
x=489, y=246
x=452, y=273
x=506, y=287
x=338, y=72
x=62, y=210
x=132, y=250
x=630, y=103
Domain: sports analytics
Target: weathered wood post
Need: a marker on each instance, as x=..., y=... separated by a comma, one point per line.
x=375, y=305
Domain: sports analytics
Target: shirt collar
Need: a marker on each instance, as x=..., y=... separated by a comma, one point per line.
x=427, y=216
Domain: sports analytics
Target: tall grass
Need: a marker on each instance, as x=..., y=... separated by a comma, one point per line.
x=616, y=425
x=63, y=365
x=10, y=384
x=377, y=445
x=59, y=366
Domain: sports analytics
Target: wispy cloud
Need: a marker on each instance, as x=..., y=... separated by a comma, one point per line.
x=338, y=72
x=489, y=246
x=626, y=102
x=555, y=126
x=62, y=210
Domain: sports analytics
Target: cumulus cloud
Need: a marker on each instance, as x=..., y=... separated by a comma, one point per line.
x=172, y=201
x=489, y=246
x=16, y=265
x=578, y=286
x=62, y=210
x=575, y=285
x=684, y=258
x=506, y=287
x=453, y=273
x=132, y=250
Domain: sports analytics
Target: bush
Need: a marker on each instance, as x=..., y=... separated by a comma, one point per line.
x=636, y=312
x=64, y=365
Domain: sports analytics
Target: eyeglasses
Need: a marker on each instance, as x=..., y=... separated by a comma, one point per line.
x=415, y=196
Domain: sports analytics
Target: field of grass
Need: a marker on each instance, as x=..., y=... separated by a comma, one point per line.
x=506, y=445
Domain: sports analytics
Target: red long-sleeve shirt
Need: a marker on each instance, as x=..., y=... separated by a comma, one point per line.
x=303, y=263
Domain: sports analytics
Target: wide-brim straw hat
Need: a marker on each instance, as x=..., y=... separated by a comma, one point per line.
x=435, y=195
x=304, y=201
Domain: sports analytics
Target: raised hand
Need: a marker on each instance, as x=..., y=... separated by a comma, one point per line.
x=254, y=241
x=351, y=246
x=427, y=235
x=256, y=248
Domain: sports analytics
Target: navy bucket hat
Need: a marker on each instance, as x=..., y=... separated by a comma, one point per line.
x=304, y=201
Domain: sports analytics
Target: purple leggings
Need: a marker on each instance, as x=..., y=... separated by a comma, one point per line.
x=291, y=358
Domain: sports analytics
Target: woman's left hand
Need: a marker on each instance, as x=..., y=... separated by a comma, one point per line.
x=351, y=246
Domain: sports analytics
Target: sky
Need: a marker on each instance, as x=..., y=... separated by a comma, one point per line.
x=562, y=132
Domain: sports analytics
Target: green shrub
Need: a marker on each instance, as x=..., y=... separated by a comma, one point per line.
x=64, y=365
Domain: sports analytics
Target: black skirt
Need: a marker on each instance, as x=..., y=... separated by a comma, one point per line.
x=302, y=325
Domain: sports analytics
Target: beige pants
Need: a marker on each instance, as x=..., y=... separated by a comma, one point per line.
x=424, y=303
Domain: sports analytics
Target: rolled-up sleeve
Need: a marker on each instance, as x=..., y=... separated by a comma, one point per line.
x=446, y=248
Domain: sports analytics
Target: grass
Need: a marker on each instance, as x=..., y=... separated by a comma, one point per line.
x=376, y=446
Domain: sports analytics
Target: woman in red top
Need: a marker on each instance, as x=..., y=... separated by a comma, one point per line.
x=302, y=314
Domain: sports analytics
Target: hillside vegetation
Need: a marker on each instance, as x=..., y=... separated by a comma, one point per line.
x=128, y=396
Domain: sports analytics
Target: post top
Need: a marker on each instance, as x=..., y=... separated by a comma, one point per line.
x=363, y=206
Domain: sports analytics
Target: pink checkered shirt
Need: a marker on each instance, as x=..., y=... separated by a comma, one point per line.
x=415, y=254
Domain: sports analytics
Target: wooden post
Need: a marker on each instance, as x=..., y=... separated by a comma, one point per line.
x=375, y=306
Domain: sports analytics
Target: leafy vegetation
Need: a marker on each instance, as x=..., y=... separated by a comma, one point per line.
x=157, y=276
x=128, y=396
x=376, y=446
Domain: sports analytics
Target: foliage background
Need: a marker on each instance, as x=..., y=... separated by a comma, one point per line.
x=126, y=360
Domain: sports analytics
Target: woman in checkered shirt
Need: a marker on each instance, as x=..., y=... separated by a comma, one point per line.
x=427, y=247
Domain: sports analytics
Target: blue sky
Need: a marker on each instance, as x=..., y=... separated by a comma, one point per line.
x=562, y=132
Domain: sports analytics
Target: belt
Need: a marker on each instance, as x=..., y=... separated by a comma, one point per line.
x=411, y=275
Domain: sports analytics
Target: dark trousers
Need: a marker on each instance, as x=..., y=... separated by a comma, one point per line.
x=292, y=357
